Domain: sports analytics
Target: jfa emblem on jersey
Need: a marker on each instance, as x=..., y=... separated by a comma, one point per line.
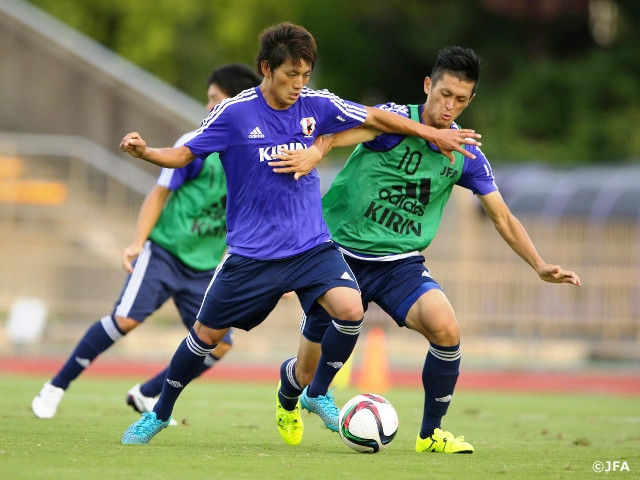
x=308, y=125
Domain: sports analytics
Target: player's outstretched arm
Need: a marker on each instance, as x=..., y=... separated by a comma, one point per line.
x=512, y=231
x=447, y=140
x=134, y=145
x=148, y=216
x=301, y=162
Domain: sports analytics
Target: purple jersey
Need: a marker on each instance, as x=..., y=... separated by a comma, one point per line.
x=271, y=215
x=476, y=173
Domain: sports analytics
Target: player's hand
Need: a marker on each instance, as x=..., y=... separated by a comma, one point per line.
x=449, y=140
x=298, y=162
x=129, y=254
x=555, y=274
x=134, y=145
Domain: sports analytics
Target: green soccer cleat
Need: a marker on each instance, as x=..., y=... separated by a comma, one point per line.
x=443, y=442
x=144, y=429
x=324, y=406
x=289, y=422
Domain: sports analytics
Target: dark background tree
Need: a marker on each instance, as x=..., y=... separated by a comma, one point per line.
x=560, y=80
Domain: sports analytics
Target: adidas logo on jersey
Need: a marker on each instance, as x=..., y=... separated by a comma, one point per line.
x=410, y=197
x=256, y=133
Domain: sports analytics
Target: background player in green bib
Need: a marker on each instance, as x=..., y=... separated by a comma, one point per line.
x=178, y=243
x=384, y=208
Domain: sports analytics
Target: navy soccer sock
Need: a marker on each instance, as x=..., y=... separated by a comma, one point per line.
x=289, y=387
x=439, y=378
x=337, y=344
x=98, y=338
x=153, y=387
x=185, y=365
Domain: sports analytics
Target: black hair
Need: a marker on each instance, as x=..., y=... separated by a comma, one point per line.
x=462, y=63
x=286, y=41
x=234, y=78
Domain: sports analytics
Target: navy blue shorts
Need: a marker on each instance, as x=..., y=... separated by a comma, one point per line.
x=158, y=276
x=244, y=290
x=395, y=286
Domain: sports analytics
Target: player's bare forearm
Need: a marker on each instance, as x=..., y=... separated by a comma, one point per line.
x=514, y=233
x=353, y=136
x=299, y=162
x=346, y=138
x=324, y=143
x=134, y=145
x=148, y=216
x=447, y=140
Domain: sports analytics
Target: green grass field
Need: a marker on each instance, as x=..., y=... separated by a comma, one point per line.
x=229, y=433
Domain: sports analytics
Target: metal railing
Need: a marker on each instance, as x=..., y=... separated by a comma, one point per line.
x=68, y=256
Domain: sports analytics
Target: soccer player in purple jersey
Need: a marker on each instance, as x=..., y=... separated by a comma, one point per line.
x=277, y=239
x=383, y=209
x=179, y=240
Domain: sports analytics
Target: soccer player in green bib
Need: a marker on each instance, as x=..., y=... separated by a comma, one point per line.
x=383, y=209
x=178, y=243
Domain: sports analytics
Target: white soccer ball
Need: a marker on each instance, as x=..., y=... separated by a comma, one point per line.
x=368, y=423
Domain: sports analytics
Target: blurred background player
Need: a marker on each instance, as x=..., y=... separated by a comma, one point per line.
x=178, y=243
x=381, y=237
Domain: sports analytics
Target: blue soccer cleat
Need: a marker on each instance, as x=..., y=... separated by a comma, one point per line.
x=324, y=406
x=144, y=429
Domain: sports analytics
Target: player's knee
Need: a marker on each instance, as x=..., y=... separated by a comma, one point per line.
x=221, y=349
x=447, y=335
x=208, y=335
x=453, y=334
x=443, y=333
x=353, y=312
x=125, y=324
